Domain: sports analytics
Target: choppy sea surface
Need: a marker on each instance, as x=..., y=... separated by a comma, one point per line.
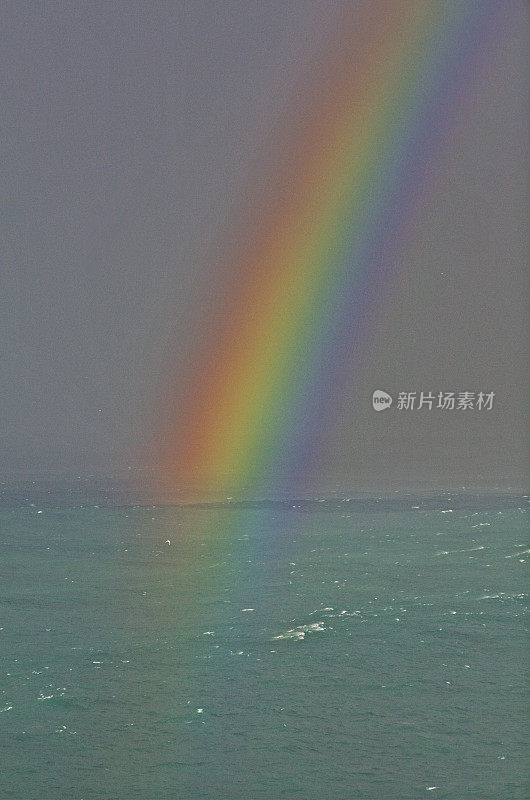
x=316, y=651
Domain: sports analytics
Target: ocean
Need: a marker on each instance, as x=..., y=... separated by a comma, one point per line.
x=337, y=650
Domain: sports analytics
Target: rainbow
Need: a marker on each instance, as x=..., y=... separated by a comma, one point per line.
x=377, y=115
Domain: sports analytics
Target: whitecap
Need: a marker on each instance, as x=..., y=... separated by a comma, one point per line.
x=301, y=631
x=520, y=553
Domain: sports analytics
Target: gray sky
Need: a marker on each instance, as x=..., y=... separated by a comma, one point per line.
x=130, y=132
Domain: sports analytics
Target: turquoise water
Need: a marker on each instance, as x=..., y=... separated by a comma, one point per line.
x=265, y=652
